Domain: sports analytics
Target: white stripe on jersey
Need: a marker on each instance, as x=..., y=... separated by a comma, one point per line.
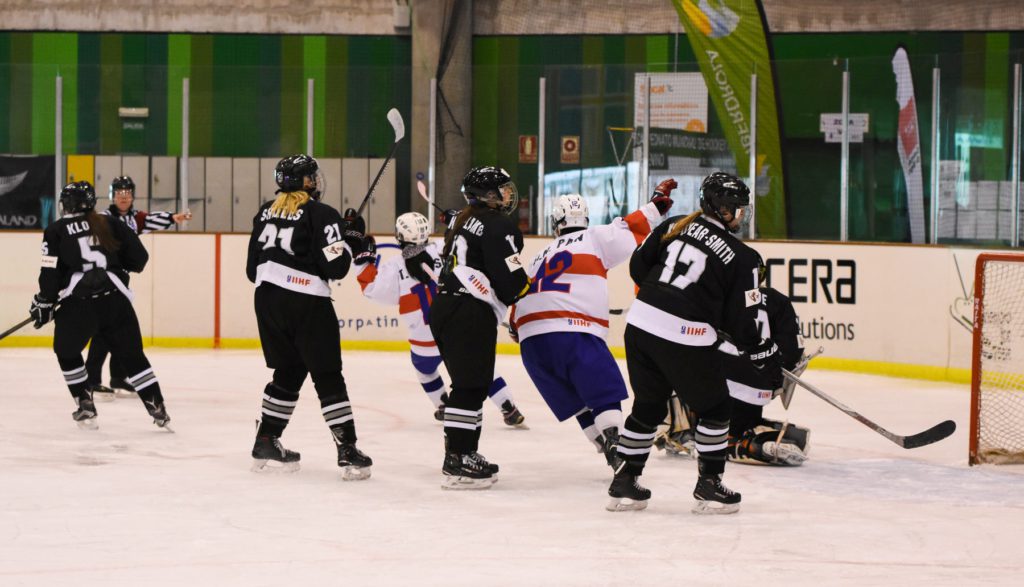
x=292, y=279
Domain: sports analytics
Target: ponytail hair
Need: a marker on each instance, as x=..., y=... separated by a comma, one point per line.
x=100, y=231
x=287, y=203
x=449, y=237
x=679, y=226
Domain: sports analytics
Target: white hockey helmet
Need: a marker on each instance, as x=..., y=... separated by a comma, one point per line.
x=570, y=211
x=412, y=228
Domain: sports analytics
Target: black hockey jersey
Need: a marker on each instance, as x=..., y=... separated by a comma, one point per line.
x=701, y=281
x=299, y=252
x=777, y=320
x=74, y=264
x=484, y=261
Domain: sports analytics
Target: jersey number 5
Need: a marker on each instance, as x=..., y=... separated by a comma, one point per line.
x=689, y=257
x=91, y=257
x=272, y=237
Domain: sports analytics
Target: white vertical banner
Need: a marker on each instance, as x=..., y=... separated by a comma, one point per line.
x=909, y=144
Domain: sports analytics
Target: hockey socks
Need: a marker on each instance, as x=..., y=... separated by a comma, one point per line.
x=502, y=398
x=635, y=441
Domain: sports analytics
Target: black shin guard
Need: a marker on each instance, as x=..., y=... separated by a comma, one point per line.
x=75, y=375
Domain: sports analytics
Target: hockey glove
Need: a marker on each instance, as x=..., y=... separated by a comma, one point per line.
x=41, y=310
x=662, y=197
x=365, y=252
x=449, y=216
x=416, y=256
x=765, y=357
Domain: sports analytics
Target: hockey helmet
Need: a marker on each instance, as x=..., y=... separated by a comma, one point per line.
x=412, y=228
x=570, y=211
x=122, y=183
x=77, y=197
x=492, y=187
x=291, y=173
x=725, y=192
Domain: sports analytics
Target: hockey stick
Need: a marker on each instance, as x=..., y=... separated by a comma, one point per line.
x=422, y=189
x=929, y=436
x=398, y=125
x=16, y=327
x=787, y=390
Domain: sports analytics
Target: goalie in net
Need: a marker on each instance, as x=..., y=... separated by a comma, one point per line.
x=752, y=437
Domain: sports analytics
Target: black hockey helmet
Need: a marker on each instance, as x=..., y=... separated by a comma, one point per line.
x=723, y=191
x=77, y=197
x=122, y=182
x=492, y=187
x=291, y=173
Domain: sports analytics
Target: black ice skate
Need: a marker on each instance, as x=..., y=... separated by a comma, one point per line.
x=354, y=462
x=439, y=412
x=101, y=393
x=158, y=411
x=269, y=456
x=468, y=471
x=85, y=415
x=713, y=497
x=609, y=447
x=512, y=416
x=626, y=494
x=122, y=388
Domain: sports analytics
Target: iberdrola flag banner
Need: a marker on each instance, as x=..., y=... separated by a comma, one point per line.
x=729, y=39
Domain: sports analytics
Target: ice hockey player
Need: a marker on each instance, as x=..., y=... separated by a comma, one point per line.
x=297, y=245
x=122, y=201
x=694, y=277
x=753, y=438
x=409, y=283
x=85, y=255
x=482, y=274
x=562, y=322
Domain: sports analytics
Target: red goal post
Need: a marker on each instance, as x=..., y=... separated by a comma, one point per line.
x=997, y=362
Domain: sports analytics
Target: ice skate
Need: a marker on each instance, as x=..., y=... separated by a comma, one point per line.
x=784, y=453
x=680, y=444
x=158, y=411
x=713, y=497
x=468, y=471
x=101, y=393
x=85, y=415
x=626, y=494
x=610, y=443
x=122, y=388
x=354, y=463
x=269, y=456
x=512, y=416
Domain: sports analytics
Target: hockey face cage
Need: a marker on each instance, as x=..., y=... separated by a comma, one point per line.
x=997, y=366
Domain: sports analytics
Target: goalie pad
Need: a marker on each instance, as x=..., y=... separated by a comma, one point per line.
x=771, y=443
x=675, y=434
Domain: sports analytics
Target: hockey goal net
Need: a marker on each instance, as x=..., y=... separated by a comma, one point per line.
x=997, y=377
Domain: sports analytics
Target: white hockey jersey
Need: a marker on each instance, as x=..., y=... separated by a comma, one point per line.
x=569, y=279
x=390, y=284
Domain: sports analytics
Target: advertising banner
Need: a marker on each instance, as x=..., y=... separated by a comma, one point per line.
x=729, y=38
x=26, y=192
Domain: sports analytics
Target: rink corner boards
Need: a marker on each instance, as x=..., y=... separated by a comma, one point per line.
x=923, y=372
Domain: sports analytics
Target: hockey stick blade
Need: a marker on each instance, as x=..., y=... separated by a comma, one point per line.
x=397, y=125
x=422, y=189
x=16, y=327
x=933, y=434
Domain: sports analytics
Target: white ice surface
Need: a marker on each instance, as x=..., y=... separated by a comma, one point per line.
x=132, y=505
